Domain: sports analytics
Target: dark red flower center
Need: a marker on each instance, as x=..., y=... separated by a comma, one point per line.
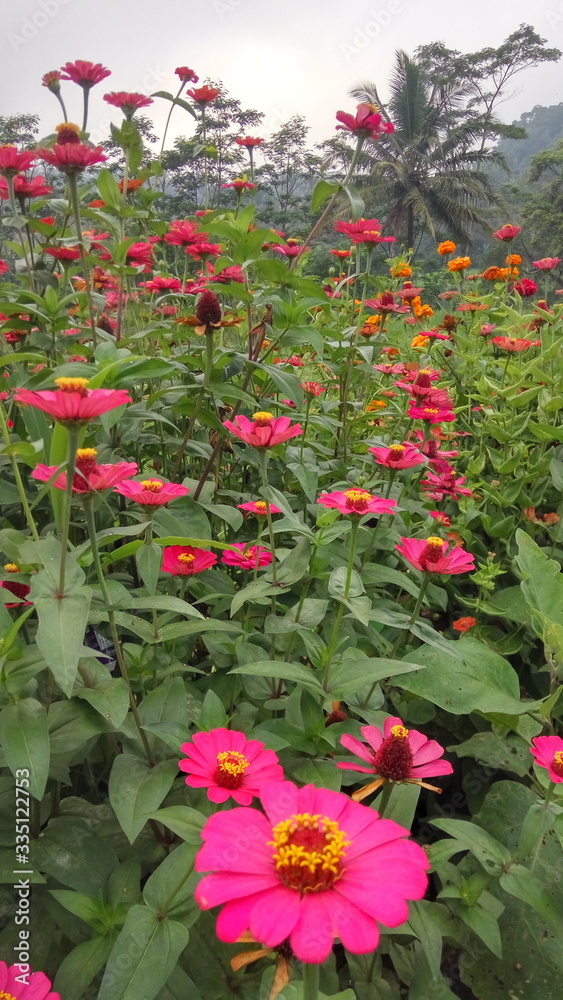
x=309, y=852
x=393, y=760
x=231, y=766
x=357, y=500
x=86, y=466
x=208, y=309
x=433, y=550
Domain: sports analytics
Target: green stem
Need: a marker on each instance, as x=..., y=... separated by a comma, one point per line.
x=73, y=188
x=310, y=981
x=14, y=210
x=414, y=616
x=336, y=627
x=85, y=117
x=383, y=799
x=208, y=368
x=73, y=436
x=17, y=476
x=88, y=502
x=263, y=463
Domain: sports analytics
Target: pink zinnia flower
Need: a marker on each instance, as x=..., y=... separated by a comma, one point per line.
x=487, y=328
x=366, y=123
x=525, y=288
x=186, y=74
x=264, y=430
x=289, y=251
x=63, y=253
x=160, y=284
x=85, y=74
x=36, y=987
x=140, y=255
x=397, y=754
x=548, y=753
x=72, y=157
x=126, y=102
x=316, y=867
x=547, y=263
x=3, y=267
x=430, y=555
x=259, y=507
x=72, y=402
x=312, y=388
x=441, y=518
x=249, y=142
x=151, y=492
x=239, y=185
x=203, y=250
x=398, y=456
x=229, y=765
x=352, y=229
x=246, y=556
x=184, y=560
x=356, y=501
x=438, y=487
x=35, y=188
x=89, y=477
x=430, y=413
x=183, y=232
x=52, y=80
x=385, y=303
x=372, y=236
x=13, y=161
x=228, y=274
x=507, y=233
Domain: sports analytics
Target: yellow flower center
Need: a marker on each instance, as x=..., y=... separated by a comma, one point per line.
x=6, y=996
x=11, y=568
x=557, y=763
x=434, y=542
x=429, y=410
x=261, y=507
x=397, y=449
x=357, y=500
x=231, y=766
x=309, y=852
x=399, y=732
x=70, y=126
x=262, y=418
x=152, y=485
x=66, y=384
x=186, y=557
x=83, y=453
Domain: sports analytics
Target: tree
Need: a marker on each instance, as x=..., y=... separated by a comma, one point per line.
x=288, y=175
x=431, y=165
x=19, y=130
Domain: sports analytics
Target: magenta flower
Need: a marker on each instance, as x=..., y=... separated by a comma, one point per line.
x=397, y=754
x=72, y=157
x=507, y=233
x=184, y=560
x=430, y=555
x=289, y=251
x=36, y=987
x=72, y=402
x=186, y=74
x=438, y=487
x=34, y=188
x=356, y=501
x=229, y=765
x=89, y=477
x=352, y=229
x=246, y=556
x=264, y=430
x=151, y=492
x=430, y=413
x=548, y=753
x=85, y=74
x=183, y=232
x=13, y=161
x=385, y=303
x=316, y=867
x=127, y=102
x=525, y=287
x=398, y=456
x=259, y=507
x=161, y=284
x=547, y=263
x=312, y=388
x=366, y=123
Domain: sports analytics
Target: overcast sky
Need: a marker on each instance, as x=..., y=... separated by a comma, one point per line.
x=296, y=56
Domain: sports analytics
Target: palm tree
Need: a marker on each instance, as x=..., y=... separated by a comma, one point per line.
x=430, y=167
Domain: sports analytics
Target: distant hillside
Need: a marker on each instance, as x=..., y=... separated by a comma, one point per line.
x=544, y=126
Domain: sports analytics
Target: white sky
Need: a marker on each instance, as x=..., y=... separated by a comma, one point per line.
x=297, y=56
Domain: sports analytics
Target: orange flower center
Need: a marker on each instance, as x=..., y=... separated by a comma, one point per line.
x=262, y=418
x=261, y=507
x=430, y=411
x=231, y=766
x=309, y=852
x=557, y=763
x=357, y=500
x=6, y=996
x=187, y=558
x=152, y=485
x=79, y=385
x=11, y=568
x=393, y=760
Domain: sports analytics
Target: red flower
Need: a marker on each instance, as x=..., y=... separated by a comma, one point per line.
x=229, y=765
x=140, y=255
x=13, y=161
x=73, y=402
x=228, y=274
x=52, y=81
x=35, y=986
x=151, y=492
x=507, y=233
x=264, y=430
x=89, y=477
x=259, y=507
x=430, y=555
x=548, y=753
x=372, y=236
x=246, y=556
x=3, y=267
x=184, y=560
x=63, y=253
x=398, y=456
x=203, y=250
x=85, y=74
x=35, y=188
x=240, y=185
x=385, y=303
x=128, y=103
x=204, y=95
x=361, y=226
x=341, y=254
x=464, y=624
x=356, y=501
x=397, y=754
x=312, y=388
x=249, y=142
x=289, y=251
x=183, y=232
x=430, y=413
x=186, y=74
x=444, y=485
x=512, y=343
x=525, y=288
x=19, y=590
x=547, y=263
x=161, y=284
x=366, y=123
x=72, y=157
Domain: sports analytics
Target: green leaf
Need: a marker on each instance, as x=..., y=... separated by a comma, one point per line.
x=81, y=965
x=60, y=635
x=24, y=736
x=75, y=855
x=323, y=191
x=143, y=957
x=357, y=206
x=213, y=714
x=489, y=851
x=357, y=670
x=149, y=561
x=520, y=882
x=295, y=564
x=255, y=591
x=184, y=822
x=136, y=790
x=109, y=189
x=106, y=694
x=170, y=889
x=282, y=671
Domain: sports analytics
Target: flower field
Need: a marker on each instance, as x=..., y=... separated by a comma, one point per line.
x=281, y=637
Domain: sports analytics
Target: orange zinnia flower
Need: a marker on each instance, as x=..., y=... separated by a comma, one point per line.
x=448, y=246
x=493, y=273
x=420, y=341
x=400, y=271
x=514, y=259
x=464, y=624
x=459, y=263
